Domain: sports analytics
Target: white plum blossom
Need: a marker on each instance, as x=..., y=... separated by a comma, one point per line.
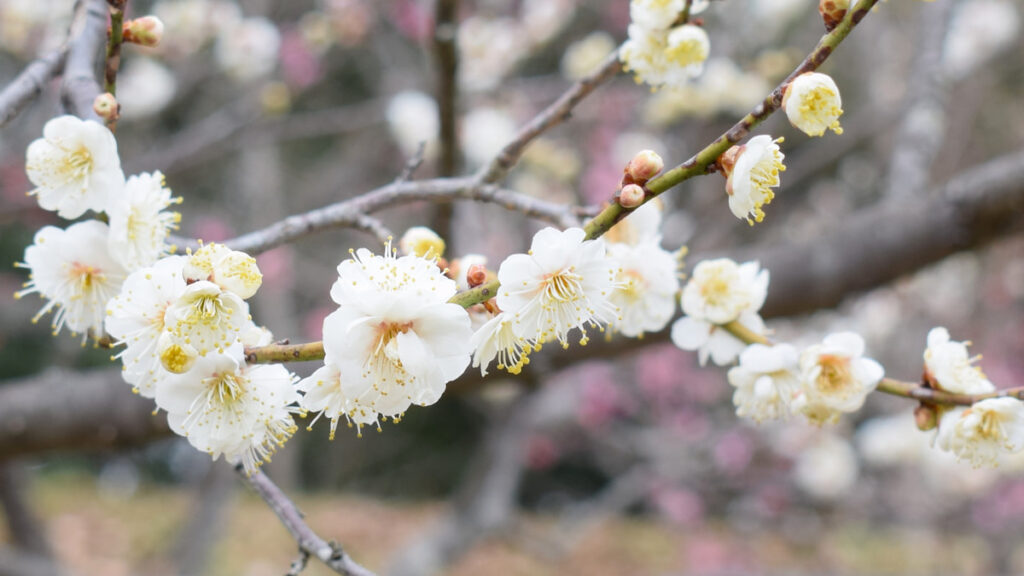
x=766, y=380
x=421, y=241
x=232, y=270
x=835, y=378
x=662, y=57
x=950, y=368
x=751, y=174
x=206, y=319
x=135, y=319
x=329, y=394
x=498, y=339
x=140, y=221
x=828, y=469
x=224, y=407
x=713, y=341
x=984, y=433
x=720, y=290
x=395, y=336
x=74, y=270
x=412, y=120
x=145, y=87
x=655, y=14
x=74, y=166
x=640, y=226
x=812, y=104
x=564, y=282
x=485, y=131
x=649, y=282
x=584, y=56
x=248, y=49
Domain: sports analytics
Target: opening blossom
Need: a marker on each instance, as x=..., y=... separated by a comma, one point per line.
x=766, y=380
x=658, y=53
x=985, y=432
x=229, y=269
x=224, y=407
x=835, y=377
x=751, y=171
x=649, y=275
x=948, y=366
x=74, y=166
x=498, y=339
x=135, y=319
x=140, y=222
x=73, y=269
x=719, y=292
x=812, y=104
x=394, y=336
x=204, y=319
x=564, y=282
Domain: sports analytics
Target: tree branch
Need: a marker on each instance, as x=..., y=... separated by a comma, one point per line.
x=80, y=87
x=29, y=84
x=559, y=111
x=331, y=554
x=349, y=213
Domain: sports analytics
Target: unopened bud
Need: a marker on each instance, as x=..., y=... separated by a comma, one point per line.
x=631, y=196
x=105, y=106
x=421, y=241
x=145, y=31
x=925, y=417
x=476, y=275
x=644, y=166
x=832, y=12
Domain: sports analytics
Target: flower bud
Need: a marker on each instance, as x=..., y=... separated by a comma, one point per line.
x=421, y=241
x=631, y=196
x=476, y=275
x=105, y=106
x=145, y=31
x=832, y=11
x=813, y=104
x=925, y=417
x=644, y=166
x=176, y=357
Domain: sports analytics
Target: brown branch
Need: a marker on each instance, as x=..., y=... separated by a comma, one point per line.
x=81, y=87
x=64, y=410
x=348, y=213
x=331, y=554
x=29, y=84
x=447, y=94
x=558, y=112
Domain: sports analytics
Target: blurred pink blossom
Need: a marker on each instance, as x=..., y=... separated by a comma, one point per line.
x=679, y=506
x=541, y=452
x=300, y=66
x=211, y=229
x=733, y=452
x=313, y=322
x=276, y=266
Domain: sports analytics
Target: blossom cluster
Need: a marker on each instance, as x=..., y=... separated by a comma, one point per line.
x=660, y=50
x=182, y=320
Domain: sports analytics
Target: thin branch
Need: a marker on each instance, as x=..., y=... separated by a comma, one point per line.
x=80, y=87
x=413, y=164
x=552, y=116
x=349, y=213
x=330, y=553
x=116, y=36
x=27, y=85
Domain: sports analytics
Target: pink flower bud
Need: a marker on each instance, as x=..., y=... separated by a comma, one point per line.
x=631, y=196
x=145, y=31
x=644, y=166
x=105, y=106
x=925, y=418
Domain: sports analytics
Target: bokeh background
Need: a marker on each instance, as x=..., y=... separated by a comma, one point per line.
x=623, y=459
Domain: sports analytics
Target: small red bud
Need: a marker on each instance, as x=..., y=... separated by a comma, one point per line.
x=631, y=196
x=476, y=275
x=145, y=31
